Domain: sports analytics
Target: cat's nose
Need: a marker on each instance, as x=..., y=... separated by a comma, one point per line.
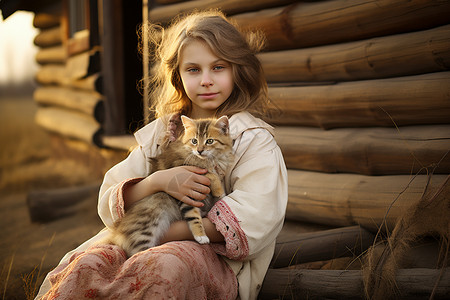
x=200, y=152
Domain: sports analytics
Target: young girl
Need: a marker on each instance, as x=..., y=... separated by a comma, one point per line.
x=205, y=68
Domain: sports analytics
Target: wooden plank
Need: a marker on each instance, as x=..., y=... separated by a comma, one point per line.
x=350, y=199
x=391, y=56
x=411, y=100
x=55, y=54
x=321, y=245
x=418, y=283
x=88, y=102
x=309, y=24
x=70, y=124
x=48, y=37
x=164, y=13
x=367, y=151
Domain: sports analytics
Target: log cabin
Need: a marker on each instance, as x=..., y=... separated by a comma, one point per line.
x=360, y=101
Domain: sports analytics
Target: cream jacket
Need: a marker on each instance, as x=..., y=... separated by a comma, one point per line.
x=250, y=216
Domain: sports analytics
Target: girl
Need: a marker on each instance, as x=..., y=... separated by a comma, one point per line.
x=205, y=68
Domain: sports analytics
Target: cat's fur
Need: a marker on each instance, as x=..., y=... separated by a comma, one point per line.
x=205, y=143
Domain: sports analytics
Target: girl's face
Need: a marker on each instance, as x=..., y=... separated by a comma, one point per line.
x=207, y=79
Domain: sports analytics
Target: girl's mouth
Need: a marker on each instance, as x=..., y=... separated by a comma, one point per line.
x=208, y=95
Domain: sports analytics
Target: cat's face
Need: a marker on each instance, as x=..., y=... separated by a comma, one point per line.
x=206, y=138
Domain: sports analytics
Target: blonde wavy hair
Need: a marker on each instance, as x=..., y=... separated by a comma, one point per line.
x=167, y=94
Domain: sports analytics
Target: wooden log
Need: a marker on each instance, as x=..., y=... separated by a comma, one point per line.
x=83, y=65
x=46, y=20
x=163, y=2
x=48, y=205
x=90, y=83
x=88, y=102
x=367, y=151
x=163, y=14
x=309, y=24
x=391, y=56
x=49, y=37
x=56, y=54
x=70, y=124
x=121, y=142
x=349, y=199
x=51, y=74
x=345, y=284
x=54, y=74
x=321, y=245
x=411, y=100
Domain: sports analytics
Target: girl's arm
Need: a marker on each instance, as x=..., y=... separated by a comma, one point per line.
x=179, y=231
x=185, y=183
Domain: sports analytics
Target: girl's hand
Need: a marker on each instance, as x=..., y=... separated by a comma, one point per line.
x=185, y=183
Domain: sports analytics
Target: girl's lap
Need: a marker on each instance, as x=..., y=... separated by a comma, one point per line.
x=184, y=270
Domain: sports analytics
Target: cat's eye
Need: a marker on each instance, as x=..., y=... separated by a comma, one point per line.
x=194, y=141
x=209, y=141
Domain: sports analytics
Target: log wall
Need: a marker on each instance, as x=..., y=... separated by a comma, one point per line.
x=360, y=98
x=69, y=95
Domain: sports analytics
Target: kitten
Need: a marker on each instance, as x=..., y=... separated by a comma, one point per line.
x=206, y=144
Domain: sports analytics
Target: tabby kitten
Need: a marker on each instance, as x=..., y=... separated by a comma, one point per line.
x=206, y=144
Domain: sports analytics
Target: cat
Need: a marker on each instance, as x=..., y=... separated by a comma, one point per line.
x=205, y=143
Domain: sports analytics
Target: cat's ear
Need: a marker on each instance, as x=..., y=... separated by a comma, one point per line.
x=173, y=128
x=187, y=122
x=223, y=124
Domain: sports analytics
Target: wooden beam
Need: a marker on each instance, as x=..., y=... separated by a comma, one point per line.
x=390, y=56
x=70, y=124
x=88, y=102
x=411, y=100
x=321, y=245
x=367, y=151
x=164, y=13
x=349, y=199
x=113, y=68
x=416, y=283
x=307, y=24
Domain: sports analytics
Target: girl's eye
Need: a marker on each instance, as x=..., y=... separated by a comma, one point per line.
x=209, y=141
x=194, y=141
x=193, y=70
x=218, y=68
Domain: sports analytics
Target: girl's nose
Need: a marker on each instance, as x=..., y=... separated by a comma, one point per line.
x=206, y=80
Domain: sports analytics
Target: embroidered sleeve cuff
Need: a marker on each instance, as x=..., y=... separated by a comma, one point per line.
x=236, y=245
x=118, y=205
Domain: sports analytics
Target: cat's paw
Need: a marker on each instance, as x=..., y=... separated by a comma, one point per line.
x=218, y=192
x=202, y=239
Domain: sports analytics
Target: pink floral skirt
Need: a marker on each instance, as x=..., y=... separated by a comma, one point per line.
x=176, y=270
